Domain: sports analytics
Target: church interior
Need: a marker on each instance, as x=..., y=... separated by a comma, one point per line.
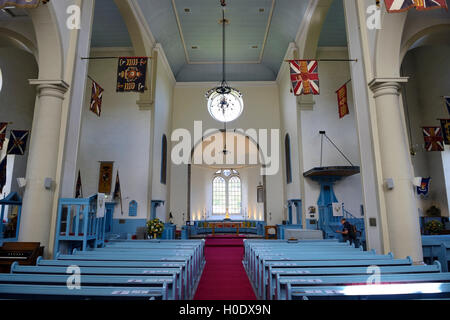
x=224, y=149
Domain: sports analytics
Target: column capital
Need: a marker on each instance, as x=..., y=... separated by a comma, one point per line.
x=382, y=86
x=145, y=104
x=305, y=102
x=54, y=88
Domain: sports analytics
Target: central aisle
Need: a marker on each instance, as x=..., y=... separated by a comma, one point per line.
x=224, y=277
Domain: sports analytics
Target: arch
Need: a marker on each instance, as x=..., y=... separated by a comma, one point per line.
x=48, y=39
x=388, y=45
x=408, y=43
x=287, y=154
x=163, y=176
x=19, y=41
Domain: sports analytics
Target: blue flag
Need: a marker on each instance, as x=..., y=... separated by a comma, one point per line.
x=447, y=103
x=18, y=142
x=424, y=186
x=2, y=174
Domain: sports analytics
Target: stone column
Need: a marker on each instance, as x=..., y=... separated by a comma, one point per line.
x=401, y=207
x=42, y=161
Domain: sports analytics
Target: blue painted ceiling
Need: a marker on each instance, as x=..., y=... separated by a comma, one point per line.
x=249, y=57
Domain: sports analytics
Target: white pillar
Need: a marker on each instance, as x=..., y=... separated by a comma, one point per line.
x=42, y=161
x=401, y=207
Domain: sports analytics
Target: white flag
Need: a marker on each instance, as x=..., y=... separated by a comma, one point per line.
x=101, y=208
x=337, y=209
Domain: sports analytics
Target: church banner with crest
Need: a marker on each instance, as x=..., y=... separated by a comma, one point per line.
x=445, y=125
x=131, y=74
x=105, y=177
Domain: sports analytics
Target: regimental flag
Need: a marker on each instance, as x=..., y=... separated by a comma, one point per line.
x=79, y=187
x=105, y=177
x=342, y=101
x=445, y=125
x=96, y=98
x=131, y=74
x=118, y=192
x=430, y=4
x=305, y=77
x=17, y=142
x=398, y=5
x=3, y=173
x=424, y=186
x=3, y=126
x=403, y=5
x=29, y=4
x=434, y=141
x=447, y=103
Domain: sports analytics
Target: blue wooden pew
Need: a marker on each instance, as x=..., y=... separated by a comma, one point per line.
x=96, y=280
x=277, y=273
x=115, y=276
x=372, y=292
x=42, y=292
x=119, y=267
x=444, y=255
x=318, y=281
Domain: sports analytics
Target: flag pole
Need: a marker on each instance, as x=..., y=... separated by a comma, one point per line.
x=103, y=58
x=324, y=60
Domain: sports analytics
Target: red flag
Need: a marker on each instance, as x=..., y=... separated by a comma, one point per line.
x=404, y=5
x=305, y=77
x=430, y=4
x=434, y=140
x=342, y=101
x=96, y=98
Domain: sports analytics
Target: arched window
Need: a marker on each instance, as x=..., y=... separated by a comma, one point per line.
x=163, y=159
x=287, y=150
x=234, y=195
x=219, y=195
x=227, y=192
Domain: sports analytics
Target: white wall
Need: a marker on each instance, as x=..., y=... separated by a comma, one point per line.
x=162, y=125
x=324, y=116
x=121, y=135
x=427, y=83
x=261, y=111
x=17, y=99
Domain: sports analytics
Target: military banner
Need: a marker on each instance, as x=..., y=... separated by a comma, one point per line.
x=342, y=101
x=131, y=74
x=105, y=177
x=445, y=125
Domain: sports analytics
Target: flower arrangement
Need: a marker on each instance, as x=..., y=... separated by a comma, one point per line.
x=434, y=227
x=155, y=227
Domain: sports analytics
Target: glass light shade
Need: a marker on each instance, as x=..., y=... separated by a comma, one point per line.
x=225, y=104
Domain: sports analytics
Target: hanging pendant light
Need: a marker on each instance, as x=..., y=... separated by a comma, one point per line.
x=225, y=104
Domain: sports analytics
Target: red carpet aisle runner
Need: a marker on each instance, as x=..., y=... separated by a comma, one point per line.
x=224, y=277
